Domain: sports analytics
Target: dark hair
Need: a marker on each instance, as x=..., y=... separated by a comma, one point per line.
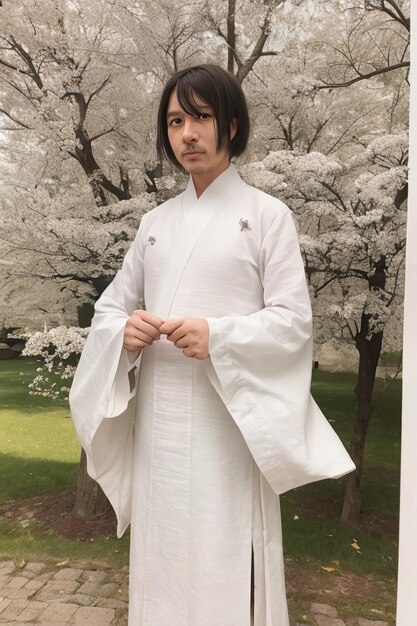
x=219, y=89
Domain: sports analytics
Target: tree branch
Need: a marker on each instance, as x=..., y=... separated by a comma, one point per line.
x=19, y=90
x=97, y=91
x=104, y=132
x=382, y=70
x=231, y=35
x=14, y=67
x=15, y=120
x=340, y=276
x=25, y=56
x=258, y=49
x=396, y=13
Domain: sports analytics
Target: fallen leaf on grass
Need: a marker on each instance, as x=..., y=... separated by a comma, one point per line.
x=356, y=546
x=296, y=517
x=62, y=563
x=377, y=612
x=326, y=568
x=21, y=564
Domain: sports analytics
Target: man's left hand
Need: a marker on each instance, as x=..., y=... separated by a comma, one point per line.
x=190, y=334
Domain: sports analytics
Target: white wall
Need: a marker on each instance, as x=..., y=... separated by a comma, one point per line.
x=407, y=577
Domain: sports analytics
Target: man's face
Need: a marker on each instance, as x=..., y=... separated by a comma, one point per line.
x=194, y=140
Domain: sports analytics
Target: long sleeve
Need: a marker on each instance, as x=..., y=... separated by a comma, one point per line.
x=101, y=390
x=261, y=366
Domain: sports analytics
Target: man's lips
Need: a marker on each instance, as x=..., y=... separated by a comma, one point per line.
x=192, y=152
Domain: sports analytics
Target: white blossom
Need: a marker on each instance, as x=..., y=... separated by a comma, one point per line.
x=58, y=349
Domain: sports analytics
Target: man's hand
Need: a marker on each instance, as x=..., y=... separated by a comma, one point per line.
x=141, y=330
x=191, y=334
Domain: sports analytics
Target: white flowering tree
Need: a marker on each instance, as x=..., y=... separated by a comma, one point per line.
x=58, y=235
x=78, y=95
x=78, y=98
x=374, y=40
x=352, y=218
x=80, y=80
x=69, y=94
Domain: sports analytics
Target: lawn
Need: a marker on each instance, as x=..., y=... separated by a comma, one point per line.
x=39, y=451
x=317, y=533
x=320, y=557
x=39, y=454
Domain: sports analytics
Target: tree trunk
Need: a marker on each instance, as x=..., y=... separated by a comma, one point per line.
x=231, y=35
x=90, y=501
x=369, y=352
x=352, y=503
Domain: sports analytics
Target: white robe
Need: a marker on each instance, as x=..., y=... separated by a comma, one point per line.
x=215, y=441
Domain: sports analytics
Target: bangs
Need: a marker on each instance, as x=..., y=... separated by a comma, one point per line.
x=186, y=97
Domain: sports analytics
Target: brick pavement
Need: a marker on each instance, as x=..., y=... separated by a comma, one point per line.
x=37, y=593
x=49, y=595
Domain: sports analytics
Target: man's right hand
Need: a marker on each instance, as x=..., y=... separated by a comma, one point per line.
x=141, y=330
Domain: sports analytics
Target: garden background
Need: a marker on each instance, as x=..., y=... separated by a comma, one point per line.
x=327, y=85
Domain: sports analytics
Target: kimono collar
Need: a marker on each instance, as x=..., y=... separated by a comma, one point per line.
x=198, y=213
x=225, y=185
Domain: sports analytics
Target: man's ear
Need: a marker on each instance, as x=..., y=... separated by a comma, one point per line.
x=233, y=129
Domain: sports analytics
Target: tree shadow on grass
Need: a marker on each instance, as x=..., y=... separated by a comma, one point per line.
x=15, y=396
x=15, y=377
x=29, y=404
x=28, y=477
x=43, y=491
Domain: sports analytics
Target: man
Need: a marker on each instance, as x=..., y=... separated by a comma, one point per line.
x=223, y=358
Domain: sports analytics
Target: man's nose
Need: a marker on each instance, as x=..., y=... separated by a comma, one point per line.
x=190, y=130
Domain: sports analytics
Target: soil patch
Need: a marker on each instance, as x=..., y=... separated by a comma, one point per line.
x=353, y=595
x=55, y=516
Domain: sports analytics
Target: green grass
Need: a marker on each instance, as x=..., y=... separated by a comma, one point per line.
x=32, y=543
x=335, y=395
x=39, y=449
x=40, y=452
x=390, y=359
x=317, y=537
